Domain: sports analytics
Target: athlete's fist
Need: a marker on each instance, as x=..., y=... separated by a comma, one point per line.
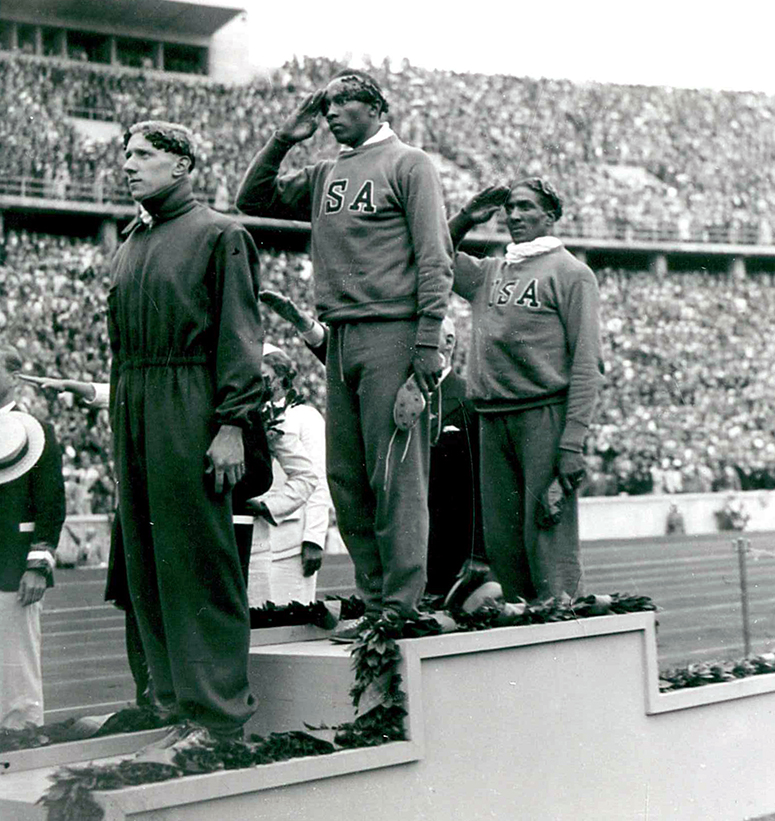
x=483, y=205
x=571, y=469
x=303, y=123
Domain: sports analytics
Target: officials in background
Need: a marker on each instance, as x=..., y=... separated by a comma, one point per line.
x=32, y=512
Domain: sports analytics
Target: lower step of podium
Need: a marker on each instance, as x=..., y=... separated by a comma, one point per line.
x=554, y=721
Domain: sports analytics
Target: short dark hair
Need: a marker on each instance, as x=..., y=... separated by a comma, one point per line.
x=371, y=90
x=10, y=358
x=551, y=201
x=170, y=137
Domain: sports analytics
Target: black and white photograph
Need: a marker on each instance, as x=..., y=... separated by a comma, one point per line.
x=387, y=411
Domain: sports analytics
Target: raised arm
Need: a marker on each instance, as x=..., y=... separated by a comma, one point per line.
x=262, y=192
x=314, y=333
x=479, y=209
x=92, y=393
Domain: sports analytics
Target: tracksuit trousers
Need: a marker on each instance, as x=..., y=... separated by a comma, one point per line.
x=183, y=568
x=377, y=474
x=518, y=461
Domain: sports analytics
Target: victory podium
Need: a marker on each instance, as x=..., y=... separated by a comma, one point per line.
x=552, y=721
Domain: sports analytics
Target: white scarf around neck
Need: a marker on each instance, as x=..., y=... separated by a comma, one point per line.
x=517, y=252
x=384, y=132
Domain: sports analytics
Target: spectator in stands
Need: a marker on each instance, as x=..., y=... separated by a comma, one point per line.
x=535, y=373
x=32, y=511
x=382, y=214
x=189, y=338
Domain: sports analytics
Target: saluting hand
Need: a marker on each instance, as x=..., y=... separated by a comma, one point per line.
x=226, y=457
x=304, y=121
x=483, y=205
x=84, y=390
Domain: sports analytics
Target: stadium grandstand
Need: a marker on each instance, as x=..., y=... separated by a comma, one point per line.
x=669, y=197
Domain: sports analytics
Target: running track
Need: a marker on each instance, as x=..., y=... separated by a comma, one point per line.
x=693, y=579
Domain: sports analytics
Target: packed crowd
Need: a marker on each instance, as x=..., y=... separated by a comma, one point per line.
x=634, y=162
x=688, y=400
x=53, y=293
x=687, y=403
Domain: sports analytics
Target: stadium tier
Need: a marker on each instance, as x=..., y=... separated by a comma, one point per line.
x=633, y=162
x=689, y=392
x=688, y=400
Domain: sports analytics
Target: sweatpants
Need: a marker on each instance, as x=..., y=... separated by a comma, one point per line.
x=518, y=461
x=21, y=683
x=377, y=474
x=183, y=568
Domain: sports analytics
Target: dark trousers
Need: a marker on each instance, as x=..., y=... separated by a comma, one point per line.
x=183, y=569
x=518, y=461
x=379, y=488
x=455, y=534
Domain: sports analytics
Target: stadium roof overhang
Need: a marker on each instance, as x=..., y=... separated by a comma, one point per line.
x=192, y=19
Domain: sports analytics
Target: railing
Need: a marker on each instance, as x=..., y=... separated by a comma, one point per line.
x=733, y=234
x=102, y=193
x=92, y=113
x=80, y=191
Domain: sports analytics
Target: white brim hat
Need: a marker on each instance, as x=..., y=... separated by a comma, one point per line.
x=21, y=444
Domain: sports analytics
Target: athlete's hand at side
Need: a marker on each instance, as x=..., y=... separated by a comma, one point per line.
x=428, y=367
x=304, y=121
x=226, y=457
x=571, y=469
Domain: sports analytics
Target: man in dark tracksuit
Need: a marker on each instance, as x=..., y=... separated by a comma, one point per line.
x=186, y=375
x=382, y=260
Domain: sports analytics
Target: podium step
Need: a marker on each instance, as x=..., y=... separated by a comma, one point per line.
x=298, y=682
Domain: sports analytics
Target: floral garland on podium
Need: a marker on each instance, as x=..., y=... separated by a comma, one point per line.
x=377, y=697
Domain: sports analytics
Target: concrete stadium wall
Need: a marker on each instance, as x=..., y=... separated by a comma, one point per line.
x=630, y=517
x=555, y=721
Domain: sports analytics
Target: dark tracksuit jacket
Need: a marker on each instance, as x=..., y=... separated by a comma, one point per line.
x=186, y=341
x=381, y=253
x=535, y=370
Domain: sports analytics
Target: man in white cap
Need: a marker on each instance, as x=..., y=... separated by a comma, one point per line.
x=32, y=512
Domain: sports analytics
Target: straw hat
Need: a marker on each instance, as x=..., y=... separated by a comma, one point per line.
x=21, y=444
